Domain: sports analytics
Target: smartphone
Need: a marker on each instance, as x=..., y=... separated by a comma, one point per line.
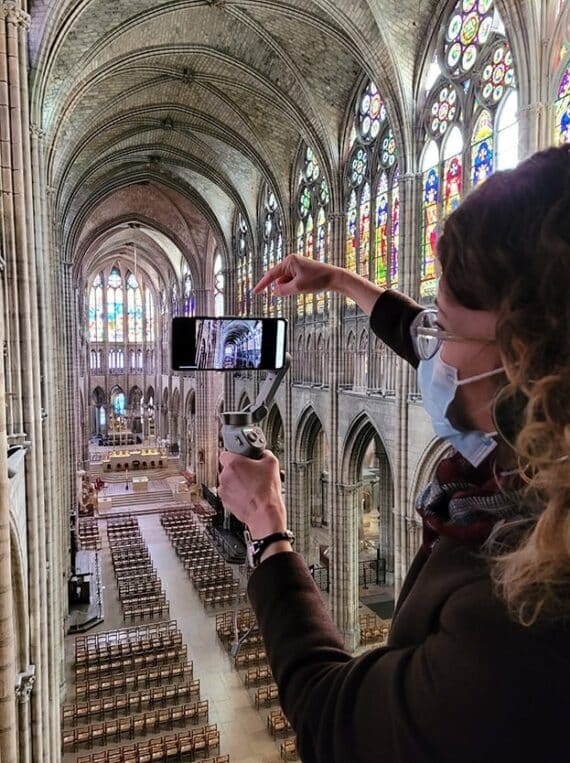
x=228, y=344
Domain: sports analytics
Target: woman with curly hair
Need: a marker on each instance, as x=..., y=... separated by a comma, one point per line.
x=477, y=664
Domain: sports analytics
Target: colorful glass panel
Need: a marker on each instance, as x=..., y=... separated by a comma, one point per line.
x=115, y=307
x=452, y=184
x=358, y=167
x=563, y=108
x=498, y=75
x=312, y=170
x=388, y=152
x=321, y=253
x=429, y=231
x=351, y=243
x=395, y=231
x=300, y=250
x=309, y=252
x=381, y=237
x=149, y=316
x=364, y=250
x=134, y=310
x=444, y=110
x=219, y=286
x=482, y=149
x=371, y=114
x=468, y=29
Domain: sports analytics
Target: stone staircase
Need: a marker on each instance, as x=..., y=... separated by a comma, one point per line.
x=131, y=500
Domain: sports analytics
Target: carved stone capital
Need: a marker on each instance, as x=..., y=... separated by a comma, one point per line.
x=25, y=683
x=37, y=132
x=14, y=15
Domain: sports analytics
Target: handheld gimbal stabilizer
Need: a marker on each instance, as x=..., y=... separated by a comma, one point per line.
x=240, y=431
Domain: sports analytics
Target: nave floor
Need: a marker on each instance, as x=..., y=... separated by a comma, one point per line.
x=243, y=732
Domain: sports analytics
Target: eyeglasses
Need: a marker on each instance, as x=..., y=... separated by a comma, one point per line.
x=427, y=336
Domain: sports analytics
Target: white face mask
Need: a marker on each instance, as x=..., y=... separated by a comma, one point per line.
x=438, y=384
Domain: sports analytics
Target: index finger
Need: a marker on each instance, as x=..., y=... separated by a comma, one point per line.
x=272, y=275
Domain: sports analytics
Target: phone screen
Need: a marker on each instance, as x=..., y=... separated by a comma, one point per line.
x=228, y=344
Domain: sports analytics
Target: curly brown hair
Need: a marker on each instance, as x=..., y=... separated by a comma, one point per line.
x=507, y=249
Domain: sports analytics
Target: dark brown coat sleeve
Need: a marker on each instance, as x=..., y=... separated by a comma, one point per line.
x=390, y=320
x=469, y=692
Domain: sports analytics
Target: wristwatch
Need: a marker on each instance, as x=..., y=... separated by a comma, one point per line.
x=255, y=548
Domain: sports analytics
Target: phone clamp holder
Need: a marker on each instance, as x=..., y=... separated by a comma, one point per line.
x=240, y=430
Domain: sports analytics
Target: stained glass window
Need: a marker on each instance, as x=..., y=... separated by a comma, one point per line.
x=149, y=316
x=96, y=311
x=134, y=310
x=395, y=231
x=351, y=241
x=321, y=252
x=364, y=248
x=313, y=197
x=372, y=167
x=381, y=245
x=244, y=273
x=562, y=116
x=115, y=306
x=470, y=117
x=188, y=295
x=273, y=241
x=430, y=212
x=482, y=148
x=219, y=286
x=371, y=114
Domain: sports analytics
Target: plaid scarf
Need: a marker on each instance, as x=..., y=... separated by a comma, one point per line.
x=465, y=503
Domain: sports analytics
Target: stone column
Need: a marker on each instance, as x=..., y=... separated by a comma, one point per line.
x=23, y=320
x=343, y=518
x=208, y=388
x=8, y=733
x=50, y=463
x=410, y=190
x=344, y=563
x=299, y=507
x=24, y=685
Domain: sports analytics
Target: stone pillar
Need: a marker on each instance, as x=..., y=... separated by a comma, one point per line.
x=343, y=517
x=299, y=506
x=8, y=733
x=208, y=388
x=18, y=218
x=535, y=128
x=50, y=463
x=344, y=563
x=24, y=685
x=410, y=191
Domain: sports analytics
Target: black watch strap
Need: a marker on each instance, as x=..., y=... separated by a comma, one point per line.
x=255, y=548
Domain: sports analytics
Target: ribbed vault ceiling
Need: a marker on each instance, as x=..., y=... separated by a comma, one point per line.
x=209, y=97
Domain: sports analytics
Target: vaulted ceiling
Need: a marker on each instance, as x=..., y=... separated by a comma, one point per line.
x=210, y=96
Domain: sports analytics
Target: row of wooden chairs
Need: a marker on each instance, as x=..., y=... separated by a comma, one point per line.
x=146, y=612
x=114, y=730
x=288, y=749
x=373, y=629
x=144, y=598
x=126, y=682
x=245, y=658
x=161, y=656
x=265, y=696
x=223, y=598
x=111, y=651
x=277, y=724
x=150, y=584
x=184, y=746
x=120, y=635
x=126, y=704
x=212, y=579
x=225, y=623
x=258, y=676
